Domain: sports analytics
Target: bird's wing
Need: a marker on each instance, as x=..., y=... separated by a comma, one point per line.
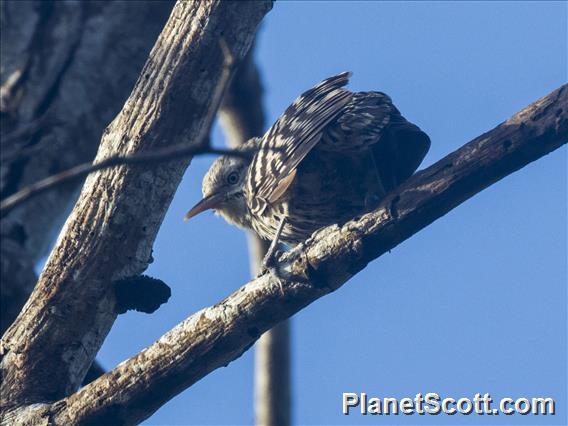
x=371, y=123
x=360, y=125
x=292, y=137
x=400, y=151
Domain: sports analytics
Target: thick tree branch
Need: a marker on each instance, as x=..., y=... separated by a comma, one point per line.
x=242, y=117
x=55, y=99
x=67, y=68
x=109, y=234
x=215, y=336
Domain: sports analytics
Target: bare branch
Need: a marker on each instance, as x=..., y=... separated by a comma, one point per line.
x=272, y=389
x=56, y=100
x=110, y=232
x=215, y=336
x=241, y=115
x=166, y=154
x=47, y=92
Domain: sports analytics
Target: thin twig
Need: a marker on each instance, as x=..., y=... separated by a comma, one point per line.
x=82, y=170
x=229, y=66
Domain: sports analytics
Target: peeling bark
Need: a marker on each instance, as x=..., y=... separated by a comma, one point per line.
x=109, y=234
x=217, y=335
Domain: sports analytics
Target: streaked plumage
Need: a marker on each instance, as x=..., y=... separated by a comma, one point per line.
x=332, y=155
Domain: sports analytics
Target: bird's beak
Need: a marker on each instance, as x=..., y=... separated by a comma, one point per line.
x=210, y=202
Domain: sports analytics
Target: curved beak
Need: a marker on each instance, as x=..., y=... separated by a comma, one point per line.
x=210, y=202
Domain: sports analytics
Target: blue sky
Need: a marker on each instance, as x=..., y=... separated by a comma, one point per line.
x=476, y=302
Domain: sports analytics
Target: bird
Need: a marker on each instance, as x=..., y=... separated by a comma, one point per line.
x=331, y=156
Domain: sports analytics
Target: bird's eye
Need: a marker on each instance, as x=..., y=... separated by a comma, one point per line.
x=232, y=178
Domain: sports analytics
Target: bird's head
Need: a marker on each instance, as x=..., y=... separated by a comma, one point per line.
x=223, y=191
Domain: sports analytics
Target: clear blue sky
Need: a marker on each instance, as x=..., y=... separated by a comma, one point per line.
x=476, y=302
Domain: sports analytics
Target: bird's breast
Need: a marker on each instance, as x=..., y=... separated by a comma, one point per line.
x=329, y=188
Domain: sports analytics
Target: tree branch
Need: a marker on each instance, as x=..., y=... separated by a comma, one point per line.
x=85, y=169
x=109, y=234
x=55, y=100
x=241, y=113
x=215, y=336
x=47, y=91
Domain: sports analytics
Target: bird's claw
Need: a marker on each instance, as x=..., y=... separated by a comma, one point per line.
x=270, y=265
x=270, y=260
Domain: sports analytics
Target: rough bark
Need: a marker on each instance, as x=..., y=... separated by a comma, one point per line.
x=242, y=117
x=67, y=68
x=215, y=336
x=109, y=234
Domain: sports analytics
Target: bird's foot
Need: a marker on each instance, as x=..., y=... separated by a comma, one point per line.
x=270, y=261
x=270, y=265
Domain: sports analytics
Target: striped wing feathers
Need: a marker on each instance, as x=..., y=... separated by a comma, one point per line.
x=292, y=137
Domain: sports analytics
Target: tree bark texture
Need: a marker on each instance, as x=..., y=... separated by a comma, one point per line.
x=216, y=335
x=67, y=68
x=242, y=117
x=110, y=232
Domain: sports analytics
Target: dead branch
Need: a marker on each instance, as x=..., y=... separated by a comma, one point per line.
x=109, y=234
x=56, y=100
x=215, y=336
x=165, y=154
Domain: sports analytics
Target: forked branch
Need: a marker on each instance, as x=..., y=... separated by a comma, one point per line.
x=46, y=352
